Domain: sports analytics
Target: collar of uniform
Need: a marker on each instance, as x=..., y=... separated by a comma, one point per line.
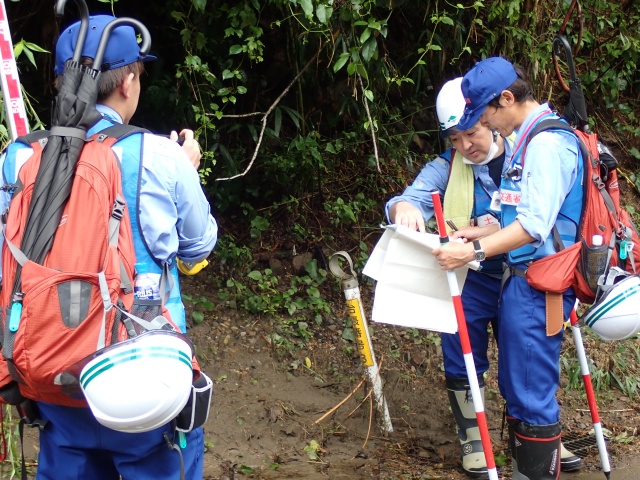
x=533, y=115
x=109, y=113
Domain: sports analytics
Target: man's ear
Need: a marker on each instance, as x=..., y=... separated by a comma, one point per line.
x=507, y=98
x=125, y=86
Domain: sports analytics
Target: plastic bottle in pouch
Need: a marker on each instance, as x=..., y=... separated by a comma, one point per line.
x=596, y=260
x=144, y=287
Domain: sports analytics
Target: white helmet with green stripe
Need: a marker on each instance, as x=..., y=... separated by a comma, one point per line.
x=450, y=105
x=139, y=384
x=616, y=315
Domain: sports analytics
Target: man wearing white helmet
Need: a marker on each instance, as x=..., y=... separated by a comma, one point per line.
x=541, y=200
x=469, y=176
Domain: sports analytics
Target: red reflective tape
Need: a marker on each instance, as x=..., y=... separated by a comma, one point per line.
x=538, y=439
x=591, y=398
x=14, y=88
x=462, y=325
x=5, y=48
x=14, y=103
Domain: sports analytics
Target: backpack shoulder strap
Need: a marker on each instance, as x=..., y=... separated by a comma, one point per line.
x=37, y=141
x=120, y=131
x=549, y=124
x=452, y=155
x=556, y=124
x=37, y=136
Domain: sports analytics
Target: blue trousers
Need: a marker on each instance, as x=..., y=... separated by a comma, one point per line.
x=480, y=297
x=74, y=446
x=528, y=372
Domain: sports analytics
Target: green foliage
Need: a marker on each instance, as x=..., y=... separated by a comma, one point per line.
x=198, y=305
x=11, y=467
x=295, y=306
x=260, y=293
x=313, y=450
x=27, y=48
x=611, y=365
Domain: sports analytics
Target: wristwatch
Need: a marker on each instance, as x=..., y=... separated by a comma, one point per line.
x=480, y=256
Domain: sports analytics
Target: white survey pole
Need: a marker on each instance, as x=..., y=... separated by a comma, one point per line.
x=351, y=291
x=11, y=91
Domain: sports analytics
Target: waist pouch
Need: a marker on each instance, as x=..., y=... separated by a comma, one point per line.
x=554, y=275
x=196, y=411
x=556, y=272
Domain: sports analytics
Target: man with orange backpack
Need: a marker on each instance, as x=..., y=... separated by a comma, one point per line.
x=468, y=175
x=170, y=218
x=541, y=203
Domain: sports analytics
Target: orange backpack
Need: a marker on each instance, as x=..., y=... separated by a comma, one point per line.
x=76, y=302
x=601, y=215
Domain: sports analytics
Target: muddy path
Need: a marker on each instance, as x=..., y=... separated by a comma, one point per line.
x=269, y=397
x=267, y=403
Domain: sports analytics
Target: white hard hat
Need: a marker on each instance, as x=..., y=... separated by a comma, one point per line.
x=139, y=384
x=450, y=104
x=616, y=315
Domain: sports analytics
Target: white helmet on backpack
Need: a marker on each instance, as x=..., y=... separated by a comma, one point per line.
x=616, y=315
x=139, y=384
x=450, y=104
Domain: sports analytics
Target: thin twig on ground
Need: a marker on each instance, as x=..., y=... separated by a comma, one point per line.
x=341, y=403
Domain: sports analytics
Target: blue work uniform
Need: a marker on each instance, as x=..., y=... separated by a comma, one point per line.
x=174, y=218
x=481, y=292
x=544, y=191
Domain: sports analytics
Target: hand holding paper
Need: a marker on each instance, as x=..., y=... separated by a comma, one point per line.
x=453, y=255
x=411, y=290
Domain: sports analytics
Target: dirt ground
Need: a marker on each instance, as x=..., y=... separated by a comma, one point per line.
x=269, y=419
x=268, y=414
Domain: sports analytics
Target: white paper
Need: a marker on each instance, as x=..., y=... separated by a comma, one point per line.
x=412, y=291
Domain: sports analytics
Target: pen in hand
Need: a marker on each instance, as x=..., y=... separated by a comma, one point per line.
x=452, y=225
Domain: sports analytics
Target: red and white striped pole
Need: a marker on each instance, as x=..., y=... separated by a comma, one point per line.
x=11, y=91
x=466, y=346
x=17, y=119
x=591, y=397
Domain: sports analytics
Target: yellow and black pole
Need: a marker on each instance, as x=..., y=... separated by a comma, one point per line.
x=351, y=290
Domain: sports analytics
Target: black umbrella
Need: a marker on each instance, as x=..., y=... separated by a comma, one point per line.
x=576, y=111
x=73, y=114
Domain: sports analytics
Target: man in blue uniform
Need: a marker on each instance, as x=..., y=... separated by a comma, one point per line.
x=172, y=220
x=541, y=195
x=468, y=176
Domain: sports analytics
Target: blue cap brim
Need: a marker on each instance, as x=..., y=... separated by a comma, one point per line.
x=470, y=118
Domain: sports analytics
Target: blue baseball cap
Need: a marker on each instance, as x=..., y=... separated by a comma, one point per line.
x=484, y=82
x=122, y=47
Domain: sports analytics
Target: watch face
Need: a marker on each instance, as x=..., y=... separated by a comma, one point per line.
x=479, y=255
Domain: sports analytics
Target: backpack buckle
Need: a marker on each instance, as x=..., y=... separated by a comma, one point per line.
x=118, y=209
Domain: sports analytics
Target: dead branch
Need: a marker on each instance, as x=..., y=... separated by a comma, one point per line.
x=265, y=117
x=371, y=125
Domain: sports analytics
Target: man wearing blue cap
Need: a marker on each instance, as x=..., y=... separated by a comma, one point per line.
x=172, y=219
x=468, y=176
x=541, y=202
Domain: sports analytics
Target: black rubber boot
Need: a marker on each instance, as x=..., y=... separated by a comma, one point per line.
x=569, y=462
x=537, y=451
x=511, y=421
x=474, y=463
